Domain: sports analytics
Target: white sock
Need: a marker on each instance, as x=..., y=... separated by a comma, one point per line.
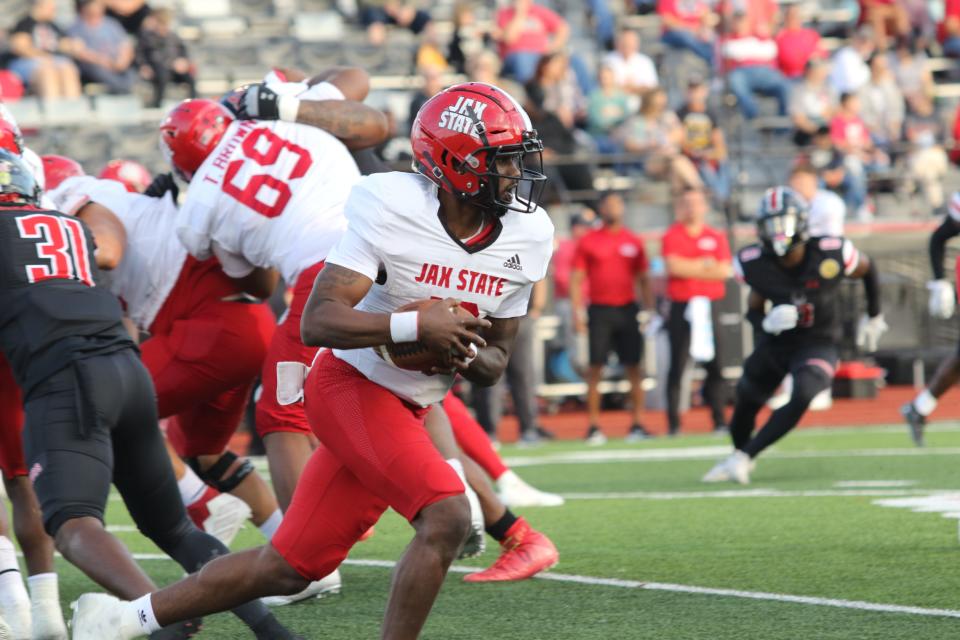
x=138, y=618
x=271, y=524
x=44, y=587
x=508, y=477
x=13, y=594
x=191, y=487
x=925, y=403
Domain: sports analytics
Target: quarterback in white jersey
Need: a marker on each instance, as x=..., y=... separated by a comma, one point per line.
x=478, y=244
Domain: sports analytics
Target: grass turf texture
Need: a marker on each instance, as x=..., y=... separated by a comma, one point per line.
x=833, y=546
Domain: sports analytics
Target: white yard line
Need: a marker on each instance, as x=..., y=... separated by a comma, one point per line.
x=756, y=493
x=873, y=484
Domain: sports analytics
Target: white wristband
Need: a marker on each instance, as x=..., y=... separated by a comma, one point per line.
x=403, y=326
x=288, y=107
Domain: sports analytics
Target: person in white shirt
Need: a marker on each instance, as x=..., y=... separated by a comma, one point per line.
x=634, y=71
x=850, y=70
x=827, y=209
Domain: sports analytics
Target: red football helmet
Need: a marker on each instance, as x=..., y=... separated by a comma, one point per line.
x=56, y=169
x=190, y=133
x=132, y=175
x=461, y=133
x=10, y=137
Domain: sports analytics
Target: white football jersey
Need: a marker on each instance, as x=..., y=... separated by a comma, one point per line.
x=270, y=195
x=152, y=259
x=394, y=228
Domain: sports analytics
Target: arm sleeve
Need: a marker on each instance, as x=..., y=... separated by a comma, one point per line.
x=516, y=303
x=938, y=242
x=871, y=287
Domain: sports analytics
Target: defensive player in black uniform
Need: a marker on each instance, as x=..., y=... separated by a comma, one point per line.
x=799, y=276
x=89, y=403
x=942, y=303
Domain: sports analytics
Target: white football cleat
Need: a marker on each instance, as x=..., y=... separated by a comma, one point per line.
x=476, y=542
x=16, y=613
x=327, y=586
x=734, y=468
x=227, y=516
x=98, y=616
x=5, y=632
x=48, y=621
x=514, y=492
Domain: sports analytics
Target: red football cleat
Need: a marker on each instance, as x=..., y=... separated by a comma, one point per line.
x=526, y=552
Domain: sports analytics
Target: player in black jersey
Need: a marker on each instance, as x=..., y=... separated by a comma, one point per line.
x=91, y=416
x=799, y=277
x=941, y=305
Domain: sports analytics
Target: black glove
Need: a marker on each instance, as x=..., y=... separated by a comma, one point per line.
x=162, y=184
x=258, y=102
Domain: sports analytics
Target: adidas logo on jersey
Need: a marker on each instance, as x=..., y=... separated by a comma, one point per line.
x=514, y=263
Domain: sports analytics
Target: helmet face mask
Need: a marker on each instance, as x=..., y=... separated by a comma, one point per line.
x=475, y=141
x=18, y=187
x=782, y=222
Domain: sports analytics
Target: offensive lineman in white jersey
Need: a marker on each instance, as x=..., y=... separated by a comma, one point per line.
x=271, y=194
x=458, y=232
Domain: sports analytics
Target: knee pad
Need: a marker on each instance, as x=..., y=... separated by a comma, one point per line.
x=214, y=475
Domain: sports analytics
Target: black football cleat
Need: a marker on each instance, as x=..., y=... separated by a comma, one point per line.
x=915, y=421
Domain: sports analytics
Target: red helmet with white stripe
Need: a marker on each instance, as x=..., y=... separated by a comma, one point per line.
x=56, y=169
x=190, y=133
x=461, y=138
x=132, y=175
x=782, y=221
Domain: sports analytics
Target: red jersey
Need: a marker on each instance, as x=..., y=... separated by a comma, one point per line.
x=689, y=12
x=611, y=260
x=709, y=243
x=541, y=23
x=795, y=48
x=950, y=10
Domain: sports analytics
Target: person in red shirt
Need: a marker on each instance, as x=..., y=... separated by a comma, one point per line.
x=687, y=24
x=796, y=44
x=613, y=261
x=948, y=31
x=697, y=259
x=887, y=17
x=750, y=61
x=526, y=32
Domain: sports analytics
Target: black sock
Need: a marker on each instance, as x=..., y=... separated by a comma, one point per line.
x=498, y=530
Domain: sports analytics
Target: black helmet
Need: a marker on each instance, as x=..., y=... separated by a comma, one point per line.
x=17, y=184
x=782, y=221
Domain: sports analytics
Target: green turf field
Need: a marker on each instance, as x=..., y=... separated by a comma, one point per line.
x=638, y=517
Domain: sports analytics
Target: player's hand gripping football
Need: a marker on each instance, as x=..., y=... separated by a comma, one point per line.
x=258, y=102
x=782, y=317
x=451, y=332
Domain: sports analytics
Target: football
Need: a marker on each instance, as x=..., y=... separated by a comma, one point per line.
x=415, y=356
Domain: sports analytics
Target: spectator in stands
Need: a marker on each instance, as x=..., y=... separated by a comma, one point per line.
x=750, y=61
x=633, y=71
x=107, y=55
x=558, y=140
x=828, y=161
x=827, y=210
x=162, y=56
x=608, y=106
x=432, y=85
x=40, y=54
x=703, y=140
x=812, y=103
x=796, y=44
x=852, y=138
x=375, y=15
x=561, y=93
x=888, y=18
x=131, y=14
x=688, y=24
x=913, y=76
x=762, y=15
x=697, y=259
x=927, y=160
x=948, y=31
x=850, y=70
x=484, y=66
x=526, y=32
x=882, y=107
x=656, y=133
x=612, y=259
x=465, y=38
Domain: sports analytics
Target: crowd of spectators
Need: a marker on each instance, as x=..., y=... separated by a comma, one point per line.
x=107, y=46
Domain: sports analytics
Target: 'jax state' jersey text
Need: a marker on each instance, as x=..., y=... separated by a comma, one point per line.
x=811, y=286
x=394, y=232
x=270, y=195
